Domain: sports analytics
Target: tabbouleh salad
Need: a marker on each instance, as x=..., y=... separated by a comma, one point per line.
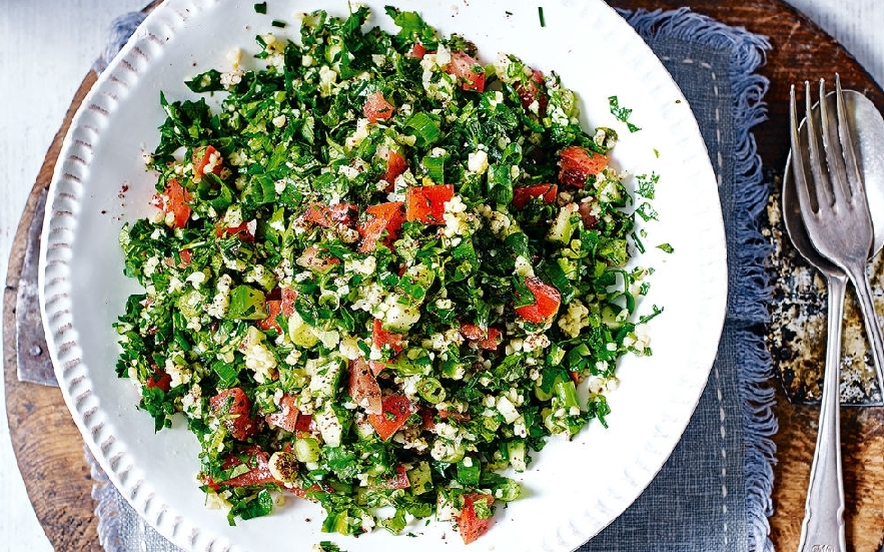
x=379, y=274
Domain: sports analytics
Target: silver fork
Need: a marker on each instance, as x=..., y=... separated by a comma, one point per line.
x=836, y=217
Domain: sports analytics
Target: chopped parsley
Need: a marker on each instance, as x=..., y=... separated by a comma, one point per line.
x=378, y=274
x=621, y=113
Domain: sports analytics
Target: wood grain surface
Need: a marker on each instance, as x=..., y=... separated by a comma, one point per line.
x=47, y=444
x=50, y=451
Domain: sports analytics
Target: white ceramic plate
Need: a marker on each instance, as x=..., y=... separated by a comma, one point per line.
x=575, y=488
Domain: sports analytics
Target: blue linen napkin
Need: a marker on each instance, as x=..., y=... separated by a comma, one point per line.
x=714, y=492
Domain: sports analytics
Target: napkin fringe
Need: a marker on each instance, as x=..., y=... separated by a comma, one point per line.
x=121, y=29
x=750, y=286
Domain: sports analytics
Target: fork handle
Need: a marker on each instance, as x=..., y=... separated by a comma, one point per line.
x=860, y=279
x=823, y=527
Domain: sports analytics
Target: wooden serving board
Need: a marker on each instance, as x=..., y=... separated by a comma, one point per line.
x=50, y=451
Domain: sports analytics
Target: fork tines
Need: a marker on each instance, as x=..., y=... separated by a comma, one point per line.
x=838, y=179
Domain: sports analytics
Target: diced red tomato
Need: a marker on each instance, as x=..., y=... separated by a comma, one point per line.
x=383, y=220
x=259, y=472
x=315, y=488
x=364, y=388
x=590, y=221
x=396, y=410
x=396, y=165
x=546, y=301
x=523, y=194
x=241, y=231
x=377, y=367
x=287, y=416
x=175, y=199
x=234, y=407
x=398, y=481
x=417, y=51
x=377, y=107
x=577, y=163
x=273, y=307
x=207, y=161
x=459, y=416
x=468, y=523
x=185, y=255
x=381, y=337
x=159, y=379
x=287, y=306
x=493, y=340
x=530, y=90
x=575, y=377
x=304, y=423
x=467, y=70
x=313, y=259
x=427, y=203
x=488, y=340
x=327, y=217
x=472, y=332
x=427, y=418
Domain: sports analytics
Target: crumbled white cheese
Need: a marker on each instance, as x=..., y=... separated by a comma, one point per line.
x=575, y=319
x=507, y=409
x=477, y=162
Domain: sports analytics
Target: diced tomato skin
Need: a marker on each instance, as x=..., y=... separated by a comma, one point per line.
x=396, y=165
x=318, y=213
x=490, y=343
x=488, y=340
x=377, y=108
x=524, y=194
x=546, y=301
x=344, y=213
x=377, y=367
x=159, y=379
x=259, y=472
x=304, y=423
x=468, y=523
x=462, y=66
x=287, y=304
x=273, y=307
x=364, y=388
x=241, y=231
x=287, y=416
x=327, y=217
x=417, y=51
x=590, y=221
x=315, y=488
x=209, y=482
x=381, y=337
x=200, y=166
x=472, y=332
x=427, y=418
x=185, y=255
x=459, y=416
x=236, y=408
x=427, y=203
x=396, y=410
x=175, y=199
x=577, y=163
x=381, y=217
x=532, y=90
x=398, y=481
